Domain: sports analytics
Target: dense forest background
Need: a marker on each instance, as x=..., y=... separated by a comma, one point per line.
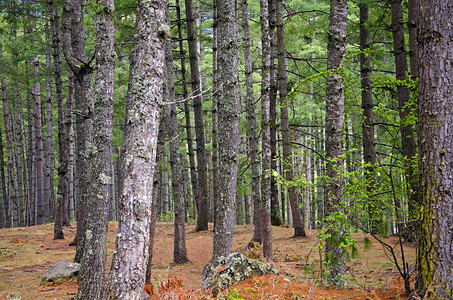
x=291, y=113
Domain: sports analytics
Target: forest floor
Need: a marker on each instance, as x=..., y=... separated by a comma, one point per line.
x=26, y=253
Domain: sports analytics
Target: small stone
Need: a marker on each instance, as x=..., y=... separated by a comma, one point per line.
x=62, y=269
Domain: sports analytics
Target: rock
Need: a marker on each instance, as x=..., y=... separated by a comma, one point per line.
x=62, y=269
x=232, y=270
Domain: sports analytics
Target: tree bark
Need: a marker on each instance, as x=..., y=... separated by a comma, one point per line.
x=182, y=53
x=334, y=123
x=73, y=42
x=202, y=201
x=299, y=228
x=4, y=199
x=146, y=82
x=91, y=276
x=229, y=107
x=39, y=144
x=252, y=135
x=265, y=132
x=369, y=155
x=49, y=189
x=407, y=134
x=10, y=205
x=10, y=210
x=177, y=182
x=275, y=208
x=435, y=254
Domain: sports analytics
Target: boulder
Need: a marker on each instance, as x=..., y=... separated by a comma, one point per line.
x=62, y=269
x=232, y=270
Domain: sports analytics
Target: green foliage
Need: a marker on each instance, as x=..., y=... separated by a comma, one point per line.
x=233, y=294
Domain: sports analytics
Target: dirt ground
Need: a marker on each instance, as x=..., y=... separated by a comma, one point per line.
x=26, y=253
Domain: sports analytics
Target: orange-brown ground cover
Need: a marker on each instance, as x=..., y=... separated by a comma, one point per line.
x=26, y=253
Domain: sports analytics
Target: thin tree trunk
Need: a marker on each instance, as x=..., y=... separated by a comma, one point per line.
x=54, y=28
x=334, y=124
x=39, y=143
x=146, y=82
x=407, y=134
x=252, y=135
x=369, y=155
x=182, y=53
x=265, y=132
x=177, y=183
x=299, y=228
x=215, y=100
x=275, y=209
x=49, y=190
x=202, y=201
x=4, y=207
x=10, y=204
x=12, y=183
x=18, y=142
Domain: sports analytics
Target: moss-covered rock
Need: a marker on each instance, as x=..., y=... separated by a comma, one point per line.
x=233, y=269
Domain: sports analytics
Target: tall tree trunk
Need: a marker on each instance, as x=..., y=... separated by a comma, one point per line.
x=19, y=146
x=54, y=28
x=228, y=106
x=10, y=205
x=265, y=132
x=202, y=201
x=407, y=134
x=334, y=124
x=31, y=161
x=73, y=42
x=275, y=209
x=252, y=135
x=215, y=100
x=39, y=143
x=190, y=150
x=49, y=189
x=299, y=228
x=369, y=155
x=146, y=82
x=435, y=254
x=91, y=276
x=4, y=208
x=177, y=183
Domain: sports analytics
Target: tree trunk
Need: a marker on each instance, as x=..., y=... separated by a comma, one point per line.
x=369, y=155
x=182, y=53
x=73, y=42
x=91, y=276
x=275, y=209
x=252, y=135
x=146, y=82
x=19, y=148
x=54, y=28
x=229, y=107
x=299, y=228
x=202, y=201
x=334, y=125
x=265, y=132
x=49, y=190
x=407, y=134
x=39, y=144
x=4, y=208
x=177, y=182
x=434, y=253
x=12, y=204
x=215, y=100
